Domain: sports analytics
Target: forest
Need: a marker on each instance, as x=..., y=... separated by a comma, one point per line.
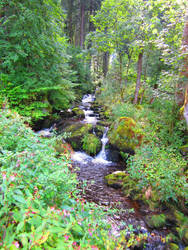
x=94, y=124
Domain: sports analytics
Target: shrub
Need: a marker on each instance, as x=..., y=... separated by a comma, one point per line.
x=162, y=169
x=39, y=208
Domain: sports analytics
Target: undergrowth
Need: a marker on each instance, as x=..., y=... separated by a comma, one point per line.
x=39, y=205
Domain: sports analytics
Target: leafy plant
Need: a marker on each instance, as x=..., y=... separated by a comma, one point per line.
x=162, y=169
x=91, y=144
x=34, y=72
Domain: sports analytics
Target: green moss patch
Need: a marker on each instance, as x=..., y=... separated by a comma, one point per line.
x=156, y=221
x=125, y=134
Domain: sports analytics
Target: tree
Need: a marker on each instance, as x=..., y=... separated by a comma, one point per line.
x=185, y=68
x=34, y=72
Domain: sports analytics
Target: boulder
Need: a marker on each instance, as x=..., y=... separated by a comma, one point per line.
x=116, y=179
x=125, y=134
x=99, y=130
x=113, y=155
x=78, y=112
x=77, y=132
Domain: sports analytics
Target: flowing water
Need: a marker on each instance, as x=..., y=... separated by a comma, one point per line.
x=92, y=170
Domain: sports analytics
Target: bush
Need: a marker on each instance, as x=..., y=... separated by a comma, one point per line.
x=162, y=169
x=39, y=208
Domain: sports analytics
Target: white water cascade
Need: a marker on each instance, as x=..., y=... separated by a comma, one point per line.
x=92, y=118
x=101, y=157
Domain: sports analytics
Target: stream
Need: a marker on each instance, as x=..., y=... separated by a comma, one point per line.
x=129, y=215
x=92, y=170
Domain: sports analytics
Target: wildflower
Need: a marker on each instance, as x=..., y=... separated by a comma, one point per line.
x=94, y=248
x=66, y=236
x=12, y=178
x=16, y=243
x=90, y=233
x=66, y=213
x=4, y=175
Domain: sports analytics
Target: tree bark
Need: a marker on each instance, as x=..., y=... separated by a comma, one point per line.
x=105, y=63
x=138, y=81
x=70, y=21
x=82, y=24
x=91, y=9
x=185, y=67
x=120, y=69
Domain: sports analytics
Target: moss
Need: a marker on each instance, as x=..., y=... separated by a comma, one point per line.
x=125, y=134
x=184, y=149
x=173, y=246
x=78, y=129
x=185, y=236
x=156, y=221
x=91, y=144
x=77, y=132
x=116, y=179
x=182, y=226
x=78, y=112
x=99, y=130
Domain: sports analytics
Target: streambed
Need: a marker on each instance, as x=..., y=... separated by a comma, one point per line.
x=129, y=215
x=92, y=170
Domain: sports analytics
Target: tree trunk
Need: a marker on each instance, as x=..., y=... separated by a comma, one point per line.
x=120, y=69
x=91, y=9
x=185, y=67
x=82, y=24
x=70, y=21
x=105, y=63
x=138, y=81
x=128, y=66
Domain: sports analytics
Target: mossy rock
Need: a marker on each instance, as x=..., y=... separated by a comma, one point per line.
x=91, y=144
x=77, y=132
x=156, y=221
x=125, y=134
x=78, y=112
x=99, y=130
x=173, y=246
x=116, y=179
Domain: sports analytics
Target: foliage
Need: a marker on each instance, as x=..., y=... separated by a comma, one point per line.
x=91, y=144
x=38, y=204
x=125, y=133
x=80, y=65
x=34, y=71
x=160, y=168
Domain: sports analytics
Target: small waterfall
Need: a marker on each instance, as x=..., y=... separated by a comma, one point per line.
x=90, y=117
x=101, y=157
